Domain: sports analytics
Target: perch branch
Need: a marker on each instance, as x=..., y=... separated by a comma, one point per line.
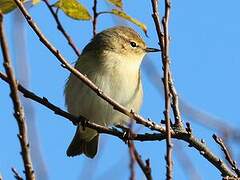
x=179, y=134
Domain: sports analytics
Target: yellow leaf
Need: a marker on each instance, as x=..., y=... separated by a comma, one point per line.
x=129, y=18
x=35, y=1
x=117, y=3
x=7, y=5
x=73, y=9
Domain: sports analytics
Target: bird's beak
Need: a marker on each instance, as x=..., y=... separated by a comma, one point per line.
x=152, y=50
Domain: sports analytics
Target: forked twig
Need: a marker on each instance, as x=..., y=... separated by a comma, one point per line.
x=16, y=174
x=228, y=156
x=61, y=29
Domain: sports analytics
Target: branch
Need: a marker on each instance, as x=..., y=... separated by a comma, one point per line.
x=16, y=174
x=190, y=112
x=228, y=156
x=140, y=120
x=146, y=169
x=180, y=134
x=61, y=29
x=164, y=45
x=82, y=120
x=18, y=109
x=166, y=72
x=208, y=154
x=132, y=160
x=175, y=103
x=131, y=151
x=95, y=15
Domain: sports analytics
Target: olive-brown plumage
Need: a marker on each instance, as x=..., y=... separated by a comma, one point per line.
x=112, y=61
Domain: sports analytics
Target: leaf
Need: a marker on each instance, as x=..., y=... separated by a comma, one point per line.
x=7, y=5
x=117, y=3
x=73, y=9
x=35, y=1
x=129, y=18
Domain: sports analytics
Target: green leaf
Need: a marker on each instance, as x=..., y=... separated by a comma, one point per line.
x=129, y=18
x=7, y=5
x=73, y=9
x=117, y=3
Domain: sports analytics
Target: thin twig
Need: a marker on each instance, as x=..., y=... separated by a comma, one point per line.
x=140, y=120
x=164, y=45
x=181, y=135
x=76, y=120
x=18, y=109
x=157, y=23
x=95, y=15
x=19, y=45
x=190, y=112
x=132, y=160
x=61, y=29
x=16, y=174
x=146, y=168
x=166, y=72
x=228, y=156
x=131, y=152
x=175, y=103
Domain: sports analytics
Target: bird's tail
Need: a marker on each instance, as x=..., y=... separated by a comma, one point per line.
x=84, y=141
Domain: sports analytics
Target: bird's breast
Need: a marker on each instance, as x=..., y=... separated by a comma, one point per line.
x=120, y=81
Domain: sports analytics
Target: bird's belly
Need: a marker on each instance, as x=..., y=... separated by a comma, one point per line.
x=127, y=92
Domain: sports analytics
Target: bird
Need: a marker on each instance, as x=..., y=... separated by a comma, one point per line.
x=111, y=60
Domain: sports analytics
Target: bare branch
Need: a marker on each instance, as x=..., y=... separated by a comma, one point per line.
x=132, y=161
x=95, y=15
x=18, y=109
x=19, y=46
x=180, y=134
x=164, y=45
x=166, y=72
x=228, y=156
x=175, y=103
x=61, y=29
x=190, y=112
x=146, y=168
x=76, y=120
x=16, y=174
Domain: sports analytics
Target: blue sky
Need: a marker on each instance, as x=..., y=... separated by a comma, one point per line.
x=205, y=65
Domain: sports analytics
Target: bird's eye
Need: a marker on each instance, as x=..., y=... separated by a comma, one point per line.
x=133, y=44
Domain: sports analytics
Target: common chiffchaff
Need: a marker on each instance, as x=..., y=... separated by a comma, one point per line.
x=112, y=61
